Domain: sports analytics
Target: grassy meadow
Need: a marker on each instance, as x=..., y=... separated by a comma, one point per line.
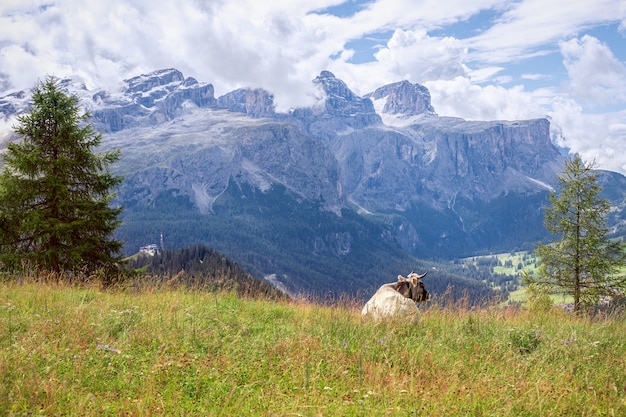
x=82, y=351
x=506, y=263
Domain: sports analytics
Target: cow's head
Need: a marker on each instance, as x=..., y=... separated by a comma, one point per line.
x=412, y=287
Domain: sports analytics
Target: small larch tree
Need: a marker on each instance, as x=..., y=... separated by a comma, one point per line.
x=581, y=261
x=55, y=190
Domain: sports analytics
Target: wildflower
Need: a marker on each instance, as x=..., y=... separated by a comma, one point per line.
x=344, y=344
x=107, y=348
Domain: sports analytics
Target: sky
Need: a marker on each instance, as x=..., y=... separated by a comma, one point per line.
x=480, y=59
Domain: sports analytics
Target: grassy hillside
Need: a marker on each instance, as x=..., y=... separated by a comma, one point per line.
x=86, y=352
x=505, y=263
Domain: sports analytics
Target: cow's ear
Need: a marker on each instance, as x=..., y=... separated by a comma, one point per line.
x=401, y=278
x=414, y=281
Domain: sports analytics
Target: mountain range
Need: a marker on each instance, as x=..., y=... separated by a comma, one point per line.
x=337, y=197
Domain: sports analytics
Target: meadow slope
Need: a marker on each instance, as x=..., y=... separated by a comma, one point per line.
x=87, y=352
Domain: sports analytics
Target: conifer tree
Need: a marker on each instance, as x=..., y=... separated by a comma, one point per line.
x=55, y=191
x=581, y=261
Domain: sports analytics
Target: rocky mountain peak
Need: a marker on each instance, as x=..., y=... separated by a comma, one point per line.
x=340, y=100
x=403, y=98
x=334, y=87
x=169, y=78
x=253, y=102
x=151, y=98
x=167, y=85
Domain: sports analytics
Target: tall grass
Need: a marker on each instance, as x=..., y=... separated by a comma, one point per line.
x=81, y=351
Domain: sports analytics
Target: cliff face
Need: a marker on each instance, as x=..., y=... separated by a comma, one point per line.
x=440, y=187
x=253, y=102
x=429, y=162
x=487, y=159
x=403, y=98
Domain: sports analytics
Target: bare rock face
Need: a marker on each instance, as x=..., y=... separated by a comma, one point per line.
x=253, y=102
x=404, y=98
x=218, y=149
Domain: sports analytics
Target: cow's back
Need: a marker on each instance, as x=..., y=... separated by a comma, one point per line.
x=388, y=303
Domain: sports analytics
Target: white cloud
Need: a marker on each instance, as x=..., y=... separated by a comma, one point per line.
x=599, y=137
x=533, y=77
x=408, y=55
x=529, y=27
x=595, y=75
x=426, y=14
x=461, y=98
x=414, y=55
x=484, y=74
x=282, y=45
x=6, y=128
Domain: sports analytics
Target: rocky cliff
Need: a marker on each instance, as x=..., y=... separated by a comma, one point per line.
x=352, y=185
x=403, y=98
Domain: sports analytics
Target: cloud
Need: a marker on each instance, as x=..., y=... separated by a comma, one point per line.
x=280, y=46
x=530, y=27
x=6, y=128
x=420, y=57
x=461, y=98
x=533, y=76
x=595, y=75
x=426, y=14
x=213, y=41
x=596, y=137
x=465, y=52
x=408, y=55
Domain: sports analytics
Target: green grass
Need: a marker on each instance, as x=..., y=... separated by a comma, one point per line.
x=520, y=295
x=85, y=352
x=508, y=263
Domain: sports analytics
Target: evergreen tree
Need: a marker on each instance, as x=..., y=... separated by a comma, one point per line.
x=582, y=261
x=55, y=191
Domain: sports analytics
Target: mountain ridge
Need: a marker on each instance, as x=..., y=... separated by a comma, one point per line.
x=379, y=176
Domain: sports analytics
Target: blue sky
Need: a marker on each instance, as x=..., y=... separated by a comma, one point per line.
x=480, y=59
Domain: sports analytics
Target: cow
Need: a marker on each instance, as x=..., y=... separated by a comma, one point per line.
x=397, y=299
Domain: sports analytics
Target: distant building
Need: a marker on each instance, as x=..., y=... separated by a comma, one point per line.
x=151, y=249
